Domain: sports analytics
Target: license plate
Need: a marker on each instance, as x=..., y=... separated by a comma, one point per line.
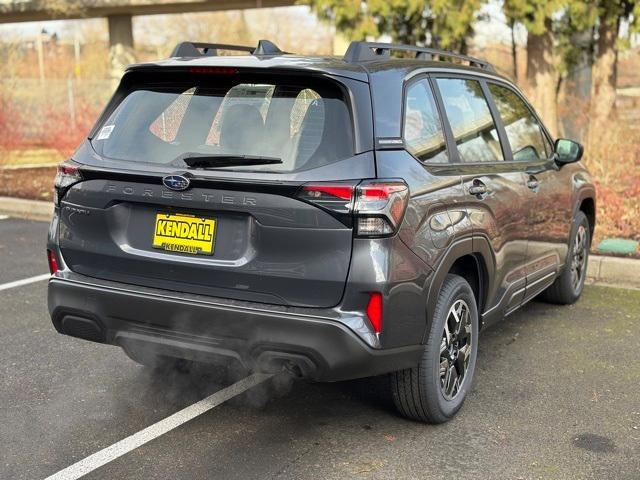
x=184, y=233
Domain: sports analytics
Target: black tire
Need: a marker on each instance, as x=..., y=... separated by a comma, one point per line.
x=418, y=392
x=567, y=289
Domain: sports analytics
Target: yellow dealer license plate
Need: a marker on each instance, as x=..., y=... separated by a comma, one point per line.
x=184, y=233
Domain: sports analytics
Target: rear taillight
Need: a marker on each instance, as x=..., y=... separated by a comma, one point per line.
x=337, y=197
x=53, y=262
x=68, y=174
x=377, y=206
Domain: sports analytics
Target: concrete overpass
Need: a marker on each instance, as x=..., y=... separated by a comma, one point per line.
x=118, y=12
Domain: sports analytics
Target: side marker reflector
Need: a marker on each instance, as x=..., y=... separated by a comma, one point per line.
x=374, y=311
x=53, y=262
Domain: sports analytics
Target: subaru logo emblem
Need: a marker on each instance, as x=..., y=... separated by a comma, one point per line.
x=176, y=182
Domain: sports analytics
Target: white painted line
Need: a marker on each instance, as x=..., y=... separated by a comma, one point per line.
x=25, y=281
x=98, y=459
x=4, y=217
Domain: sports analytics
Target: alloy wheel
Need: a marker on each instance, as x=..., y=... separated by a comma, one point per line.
x=455, y=349
x=579, y=257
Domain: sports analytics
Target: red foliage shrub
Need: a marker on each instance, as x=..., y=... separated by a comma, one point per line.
x=62, y=133
x=10, y=124
x=615, y=165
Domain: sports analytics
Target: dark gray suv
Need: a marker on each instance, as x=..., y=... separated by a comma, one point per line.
x=334, y=217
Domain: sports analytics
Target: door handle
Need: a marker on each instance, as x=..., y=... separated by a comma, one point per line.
x=478, y=188
x=533, y=183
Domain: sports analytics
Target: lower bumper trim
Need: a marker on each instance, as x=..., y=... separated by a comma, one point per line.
x=259, y=339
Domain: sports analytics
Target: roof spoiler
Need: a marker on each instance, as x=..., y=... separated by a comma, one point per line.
x=199, y=49
x=368, y=51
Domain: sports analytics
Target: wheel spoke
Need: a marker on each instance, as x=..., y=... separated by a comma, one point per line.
x=451, y=383
x=463, y=313
x=447, y=380
x=443, y=347
x=447, y=335
x=456, y=318
x=465, y=329
x=456, y=385
x=462, y=362
x=464, y=354
x=444, y=365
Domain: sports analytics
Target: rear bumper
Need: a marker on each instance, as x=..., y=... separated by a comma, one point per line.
x=260, y=337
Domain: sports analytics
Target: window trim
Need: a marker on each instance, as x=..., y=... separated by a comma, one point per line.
x=506, y=149
x=545, y=133
x=405, y=87
x=507, y=152
x=507, y=165
x=449, y=72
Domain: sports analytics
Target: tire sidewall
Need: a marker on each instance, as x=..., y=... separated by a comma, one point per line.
x=456, y=288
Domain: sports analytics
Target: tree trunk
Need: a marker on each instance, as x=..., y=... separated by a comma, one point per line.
x=603, y=83
x=541, y=76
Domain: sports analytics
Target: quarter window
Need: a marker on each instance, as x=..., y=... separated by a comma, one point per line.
x=473, y=127
x=525, y=135
x=423, y=134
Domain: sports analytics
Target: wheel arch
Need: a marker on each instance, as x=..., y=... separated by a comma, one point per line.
x=470, y=258
x=588, y=207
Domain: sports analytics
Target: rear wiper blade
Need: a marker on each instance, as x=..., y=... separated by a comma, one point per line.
x=220, y=161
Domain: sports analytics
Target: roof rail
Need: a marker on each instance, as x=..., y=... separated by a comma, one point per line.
x=199, y=49
x=367, y=51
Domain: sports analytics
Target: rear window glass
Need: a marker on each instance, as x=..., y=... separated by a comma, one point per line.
x=305, y=125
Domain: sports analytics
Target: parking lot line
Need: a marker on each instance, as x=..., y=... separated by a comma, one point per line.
x=4, y=217
x=108, y=454
x=25, y=281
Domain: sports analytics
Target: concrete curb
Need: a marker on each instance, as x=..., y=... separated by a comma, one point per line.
x=614, y=271
x=30, y=209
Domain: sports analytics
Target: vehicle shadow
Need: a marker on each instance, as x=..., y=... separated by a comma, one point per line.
x=372, y=394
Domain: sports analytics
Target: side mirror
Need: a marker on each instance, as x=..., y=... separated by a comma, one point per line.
x=568, y=151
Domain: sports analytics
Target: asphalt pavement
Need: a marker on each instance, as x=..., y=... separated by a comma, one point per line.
x=556, y=396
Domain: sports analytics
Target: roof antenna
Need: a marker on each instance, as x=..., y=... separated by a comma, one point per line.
x=265, y=47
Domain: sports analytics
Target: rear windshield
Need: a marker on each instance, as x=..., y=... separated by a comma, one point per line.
x=304, y=124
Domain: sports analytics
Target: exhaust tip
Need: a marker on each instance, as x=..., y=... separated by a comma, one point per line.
x=297, y=365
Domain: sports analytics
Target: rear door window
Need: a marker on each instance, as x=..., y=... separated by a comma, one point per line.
x=526, y=138
x=306, y=125
x=472, y=124
x=423, y=135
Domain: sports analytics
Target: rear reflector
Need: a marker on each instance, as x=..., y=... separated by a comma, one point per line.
x=53, y=262
x=374, y=311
